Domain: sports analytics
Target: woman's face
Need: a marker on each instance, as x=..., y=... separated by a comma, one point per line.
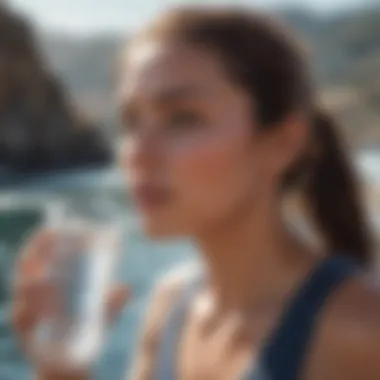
x=190, y=151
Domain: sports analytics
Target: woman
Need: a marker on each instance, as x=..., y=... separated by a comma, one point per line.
x=220, y=122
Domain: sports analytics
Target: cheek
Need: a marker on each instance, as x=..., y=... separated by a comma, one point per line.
x=213, y=171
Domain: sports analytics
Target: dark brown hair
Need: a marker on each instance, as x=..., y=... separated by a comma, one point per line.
x=262, y=57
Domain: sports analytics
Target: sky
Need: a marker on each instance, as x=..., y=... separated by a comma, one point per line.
x=89, y=16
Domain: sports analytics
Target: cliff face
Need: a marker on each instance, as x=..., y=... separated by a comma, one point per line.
x=39, y=127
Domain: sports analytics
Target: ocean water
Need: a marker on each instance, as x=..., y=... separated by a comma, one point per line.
x=23, y=208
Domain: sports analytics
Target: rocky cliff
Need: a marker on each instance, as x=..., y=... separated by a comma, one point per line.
x=40, y=128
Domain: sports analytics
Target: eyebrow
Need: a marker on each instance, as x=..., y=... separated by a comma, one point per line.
x=167, y=95
x=177, y=92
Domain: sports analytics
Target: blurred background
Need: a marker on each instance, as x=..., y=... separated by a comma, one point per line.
x=59, y=132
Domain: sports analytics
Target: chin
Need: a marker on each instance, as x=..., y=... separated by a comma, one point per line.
x=159, y=230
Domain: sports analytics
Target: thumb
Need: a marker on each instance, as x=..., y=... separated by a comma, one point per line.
x=117, y=298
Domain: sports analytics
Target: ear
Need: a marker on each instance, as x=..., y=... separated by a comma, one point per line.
x=290, y=140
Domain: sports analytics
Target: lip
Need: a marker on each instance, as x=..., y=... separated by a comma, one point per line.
x=148, y=196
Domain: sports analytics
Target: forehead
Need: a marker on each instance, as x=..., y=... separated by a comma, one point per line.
x=152, y=67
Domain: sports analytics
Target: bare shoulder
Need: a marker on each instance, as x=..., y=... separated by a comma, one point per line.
x=347, y=341
x=163, y=296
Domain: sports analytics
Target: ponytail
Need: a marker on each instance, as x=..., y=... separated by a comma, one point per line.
x=332, y=194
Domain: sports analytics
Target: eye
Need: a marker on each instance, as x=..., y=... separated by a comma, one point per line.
x=184, y=119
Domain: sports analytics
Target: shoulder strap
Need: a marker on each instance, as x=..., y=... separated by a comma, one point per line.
x=283, y=356
x=166, y=356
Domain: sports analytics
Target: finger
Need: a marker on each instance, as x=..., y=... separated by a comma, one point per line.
x=118, y=297
x=33, y=299
x=23, y=319
x=34, y=258
x=36, y=291
x=39, y=243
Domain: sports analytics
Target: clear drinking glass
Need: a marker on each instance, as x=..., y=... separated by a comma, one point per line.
x=81, y=271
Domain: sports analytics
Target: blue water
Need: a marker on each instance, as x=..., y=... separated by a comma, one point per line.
x=143, y=261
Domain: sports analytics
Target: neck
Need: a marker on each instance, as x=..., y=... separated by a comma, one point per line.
x=253, y=258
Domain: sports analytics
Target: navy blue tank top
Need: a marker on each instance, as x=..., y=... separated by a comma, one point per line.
x=282, y=356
